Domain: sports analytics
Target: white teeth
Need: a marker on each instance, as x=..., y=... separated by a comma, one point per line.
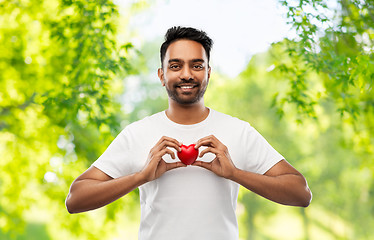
x=186, y=87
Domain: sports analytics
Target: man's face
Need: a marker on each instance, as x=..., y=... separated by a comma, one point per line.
x=185, y=73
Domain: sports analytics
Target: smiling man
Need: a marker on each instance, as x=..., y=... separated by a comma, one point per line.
x=179, y=201
x=187, y=67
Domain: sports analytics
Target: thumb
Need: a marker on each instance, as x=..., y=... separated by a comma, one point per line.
x=206, y=165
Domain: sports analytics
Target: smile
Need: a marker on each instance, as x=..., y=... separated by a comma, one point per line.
x=186, y=87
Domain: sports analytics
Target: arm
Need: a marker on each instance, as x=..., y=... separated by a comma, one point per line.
x=282, y=183
x=94, y=189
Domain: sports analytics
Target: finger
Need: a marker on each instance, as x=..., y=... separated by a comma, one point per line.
x=204, y=142
x=172, y=140
x=164, y=151
x=170, y=166
x=165, y=138
x=207, y=150
x=206, y=165
x=167, y=143
x=210, y=140
x=168, y=151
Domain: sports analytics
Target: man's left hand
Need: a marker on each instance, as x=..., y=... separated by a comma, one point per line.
x=222, y=164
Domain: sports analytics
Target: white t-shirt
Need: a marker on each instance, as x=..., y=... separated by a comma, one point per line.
x=191, y=202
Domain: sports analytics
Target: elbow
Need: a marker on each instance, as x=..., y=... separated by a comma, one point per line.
x=306, y=199
x=69, y=205
x=305, y=204
x=70, y=210
x=305, y=195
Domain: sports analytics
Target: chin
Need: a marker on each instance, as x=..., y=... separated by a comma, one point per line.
x=185, y=99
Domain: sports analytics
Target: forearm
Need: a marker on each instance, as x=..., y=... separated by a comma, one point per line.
x=288, y=189
x=89, y=194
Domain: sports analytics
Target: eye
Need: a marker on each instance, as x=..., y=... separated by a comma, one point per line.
x=174, y=66
x=198, y=67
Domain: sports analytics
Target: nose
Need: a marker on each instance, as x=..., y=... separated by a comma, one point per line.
x=186, y=74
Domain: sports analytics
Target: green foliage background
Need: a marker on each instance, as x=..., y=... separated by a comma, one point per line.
x=63, y=99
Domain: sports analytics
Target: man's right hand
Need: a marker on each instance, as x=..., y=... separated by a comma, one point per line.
x=156, y=166
x=94, y=189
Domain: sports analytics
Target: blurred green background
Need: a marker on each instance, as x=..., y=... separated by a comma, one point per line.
x=69, y=84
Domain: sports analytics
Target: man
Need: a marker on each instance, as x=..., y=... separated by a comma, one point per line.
x=179, y=201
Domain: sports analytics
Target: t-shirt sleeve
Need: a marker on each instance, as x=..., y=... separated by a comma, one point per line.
x=261, y=155
x=116, y=159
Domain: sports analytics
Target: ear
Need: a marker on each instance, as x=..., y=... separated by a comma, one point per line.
x=209, y=70
x=161, y=76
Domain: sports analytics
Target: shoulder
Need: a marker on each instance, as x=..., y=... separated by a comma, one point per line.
x=228, y=120
x=143, y=125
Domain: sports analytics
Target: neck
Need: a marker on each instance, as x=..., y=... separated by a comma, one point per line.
x=187, y=114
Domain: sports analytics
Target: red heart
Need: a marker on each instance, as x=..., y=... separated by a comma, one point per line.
x=188, y=154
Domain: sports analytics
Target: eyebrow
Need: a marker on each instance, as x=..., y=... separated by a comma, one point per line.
x=177, y=60
x=198, y=60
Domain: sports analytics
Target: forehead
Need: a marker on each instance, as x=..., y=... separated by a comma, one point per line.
x=185, y=50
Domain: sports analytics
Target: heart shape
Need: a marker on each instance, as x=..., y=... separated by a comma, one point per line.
x=188, y=155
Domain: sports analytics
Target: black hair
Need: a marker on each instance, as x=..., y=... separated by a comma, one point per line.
x=177, y=33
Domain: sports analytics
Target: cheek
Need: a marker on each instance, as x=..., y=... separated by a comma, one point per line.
x=170, y=77
x=167, y=82
x=203, y=77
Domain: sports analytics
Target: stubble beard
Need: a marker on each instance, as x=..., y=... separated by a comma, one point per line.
x=174, y=95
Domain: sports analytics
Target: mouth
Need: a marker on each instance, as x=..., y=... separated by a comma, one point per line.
x=187, y=86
